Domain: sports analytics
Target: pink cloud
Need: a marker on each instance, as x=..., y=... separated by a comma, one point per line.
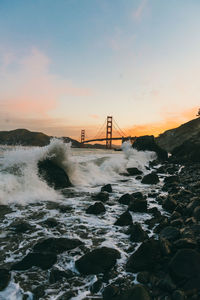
x=137, y=14
x=29, y=89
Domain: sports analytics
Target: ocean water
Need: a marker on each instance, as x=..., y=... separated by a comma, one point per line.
x=30, y=199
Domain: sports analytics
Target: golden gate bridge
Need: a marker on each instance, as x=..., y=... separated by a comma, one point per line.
x=107, y=133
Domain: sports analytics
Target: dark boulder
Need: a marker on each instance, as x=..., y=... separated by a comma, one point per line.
x=138, y=195
x=185, y=269
x=96, y=209
x=57, y=245
x=51, y=222
x=138, y=292
x=137, y=234
x=97, y=261
x=170, y=233
x=124, y=220
x=188, y=152
x=196, y=213
x=138, y=205
x=57, y=275
x=151, y=178
x=134, y=171
x=54, y=175
x=145, y=257
x=125, y=199
x=195, y=201
x=4, y=278
x=147, y=143
x=107, y=188
x=41, y=260
x=171, y=179
x=21, y=226
x=169, y=204
x=102, y=196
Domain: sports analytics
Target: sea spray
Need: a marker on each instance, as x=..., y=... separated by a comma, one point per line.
x=20, y=182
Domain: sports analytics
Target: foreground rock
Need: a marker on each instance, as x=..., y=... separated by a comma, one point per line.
x=97, y=261
x=137, y=234
x=134, y=171
x=41, y=260
x=151, y=178
x=4, y=278
x=57, y=245
x=107, y=188
x=185, y=269
x=147, y=143
x=96, y=209
x=138, y=292
x=145, y=257
x=124, y=220
x=54, y=175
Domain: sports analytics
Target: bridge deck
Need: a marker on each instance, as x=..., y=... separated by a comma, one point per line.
x=110, y=139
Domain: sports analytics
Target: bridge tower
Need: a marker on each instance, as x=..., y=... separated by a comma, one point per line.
x=109, y=132
x=82, y=135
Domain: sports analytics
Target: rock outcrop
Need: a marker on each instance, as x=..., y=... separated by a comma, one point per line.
x=147, y=143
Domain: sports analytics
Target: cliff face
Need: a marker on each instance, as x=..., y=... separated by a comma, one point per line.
x=173, y=138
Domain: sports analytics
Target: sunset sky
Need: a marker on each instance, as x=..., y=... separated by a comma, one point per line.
x=67, y=64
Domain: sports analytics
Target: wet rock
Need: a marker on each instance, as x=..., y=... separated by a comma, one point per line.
x=124, y=220
x=4, y=278
x=38, y=292
x=145, y=257
x=151, y=178
x=107, y=188
x=138, y=205
x=41, y=260
x=57, y=245
x=137, y=234
x=96, y=287
x=178, y=295
x=185, y=243
x=137, y=292
x=54, y=175
x=169, y=204
x=147, y=143
x=143, y=277
x=21, y=226
x=51, y=222
x=57, y=275
x=166, y=284
x=125, y=199
x=134, y=171
x=171, y=179
x=177, y=222
x=138, y=195
x=111, y=292
x=170, y=233
x=196, y=213
x=102, y=196
x=185, y=269
x=4, y=210
x=195, y=201
x=97, y=261
x=96, y=209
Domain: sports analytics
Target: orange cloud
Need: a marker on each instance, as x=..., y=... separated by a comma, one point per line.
x=168, y=123
x=29, y=89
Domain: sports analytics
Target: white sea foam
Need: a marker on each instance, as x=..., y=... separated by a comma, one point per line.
x=20, y=183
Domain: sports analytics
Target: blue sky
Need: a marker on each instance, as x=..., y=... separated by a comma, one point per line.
x=66, y=64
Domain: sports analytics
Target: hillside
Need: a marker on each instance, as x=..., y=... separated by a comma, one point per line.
x=173, y=138
x=28, y=138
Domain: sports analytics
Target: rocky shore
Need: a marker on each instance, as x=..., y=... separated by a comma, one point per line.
x=158, y=259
